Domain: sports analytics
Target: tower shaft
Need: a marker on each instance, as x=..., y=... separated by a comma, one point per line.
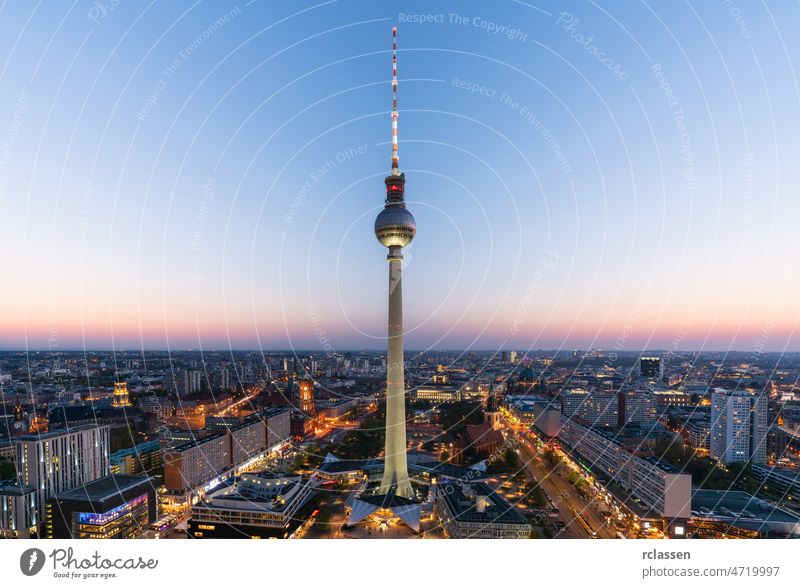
x=395, y=473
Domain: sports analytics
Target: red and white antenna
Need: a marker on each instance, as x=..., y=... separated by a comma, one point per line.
x=395, y=156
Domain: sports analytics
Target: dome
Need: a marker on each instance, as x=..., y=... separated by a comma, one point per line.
x=395, y=226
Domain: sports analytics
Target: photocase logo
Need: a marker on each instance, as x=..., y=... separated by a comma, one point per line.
x=31, y=561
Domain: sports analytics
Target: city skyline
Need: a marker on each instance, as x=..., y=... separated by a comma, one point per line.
x=641, y=202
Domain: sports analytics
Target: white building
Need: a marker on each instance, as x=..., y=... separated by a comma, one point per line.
x=573, y=402
x=18, y=518
x=641, y=408
x=55, y=462
x=599, y=409
x=738, y=426
x=656, y=485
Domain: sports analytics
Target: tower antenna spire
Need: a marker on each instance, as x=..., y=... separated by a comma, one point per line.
x=395, y=156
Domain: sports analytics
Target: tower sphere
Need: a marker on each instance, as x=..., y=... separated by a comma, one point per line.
x=395, y=226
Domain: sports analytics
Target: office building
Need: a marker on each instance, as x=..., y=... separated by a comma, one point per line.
x=59, y=461
x=113, y=507
x=248, y=439
x=650, y=367
x=738, y=426
x=574, y=402
x=277, y=424
x=196, y=463
x=437, y=393
x=597, y=408
x=655, y=484
x=474, y=511
x=253, y=506
x=139, y=459
x=18, y=517
x=192, y=382
x=637, y=407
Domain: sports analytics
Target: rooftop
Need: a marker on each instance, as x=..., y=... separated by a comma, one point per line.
x=464, y=508
x=104, y=488
x=58, y=432
x=740, y=509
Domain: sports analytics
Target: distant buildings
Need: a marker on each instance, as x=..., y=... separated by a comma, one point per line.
x=638, y=407
x=541, y=413
x=651, y=367
x=574, y=402
x=139, y=459
x=601, y=409
x=474, y=511
x=306, y=393
x=121, y=399
x=438, y=393
x=112, y=507
x=738, y=426
x=697, y=433
x=18, y=517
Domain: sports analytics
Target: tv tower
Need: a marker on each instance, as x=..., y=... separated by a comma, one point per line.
x=395, y=228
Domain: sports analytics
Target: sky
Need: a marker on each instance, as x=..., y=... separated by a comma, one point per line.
x=206, y=175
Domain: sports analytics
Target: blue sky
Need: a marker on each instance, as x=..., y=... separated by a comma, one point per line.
x=191, y=174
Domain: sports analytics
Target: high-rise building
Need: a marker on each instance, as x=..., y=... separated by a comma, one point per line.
x=512, y=357
x=59, y=461
x=121, y=398
x=650, y=367
x=637, y=407
x=191, y=379
x=574, y=402
x=738, y=426
x=596, y=408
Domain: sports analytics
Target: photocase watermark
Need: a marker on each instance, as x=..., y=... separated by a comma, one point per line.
x=316, y=323
x=738, y=18
x=687, y=155
x=548, y=263
x=14, y=128
x=318, y=174
x=183, y=55
x=100, y=10
x=67, y=564
x=629, y=326
x=31, y=561
x=478, y=22
x=569, y=23
x=523, y=111
x=197, y=235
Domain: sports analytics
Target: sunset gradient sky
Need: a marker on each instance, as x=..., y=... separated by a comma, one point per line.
x=201, y=174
